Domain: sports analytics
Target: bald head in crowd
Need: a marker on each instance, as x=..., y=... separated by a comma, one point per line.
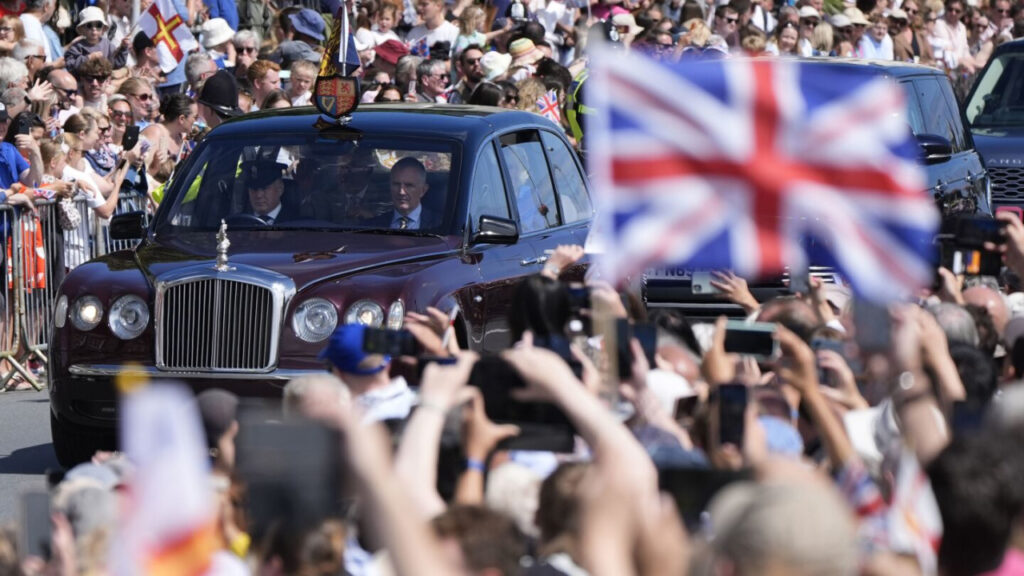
x=993, y=301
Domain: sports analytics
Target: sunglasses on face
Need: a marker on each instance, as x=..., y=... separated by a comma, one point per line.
x=732, y=20
x=94, y=26
x=472, y=61
x=6, y=29
x=104, y=129
x=809, y=22
x=1000, y=11
x=99, y=79
x=121, y=113
x=247, y=50
x=143, y=97
x=911, y=12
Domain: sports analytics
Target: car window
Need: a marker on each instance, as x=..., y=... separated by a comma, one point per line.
x=569, y=183
x=956, y=121
x=937, y=117
x=530, y=181
x=299, y=181
x=914, y=115
x=488, y=192
x=998, y=98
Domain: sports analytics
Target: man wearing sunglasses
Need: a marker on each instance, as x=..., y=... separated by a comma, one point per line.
x=432, y=79
x=66, y=88
x=470, y=72
x=93, y=79
x=726, y=23
x=954, y=32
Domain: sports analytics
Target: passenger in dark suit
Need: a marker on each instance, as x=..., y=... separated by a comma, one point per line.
x=265, y=183
x=408, y=186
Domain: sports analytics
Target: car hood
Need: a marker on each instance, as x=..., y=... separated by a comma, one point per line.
x=1000, y=146
x=304, y=256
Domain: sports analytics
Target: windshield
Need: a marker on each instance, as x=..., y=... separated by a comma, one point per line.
x=302, y=181
x=999, y=97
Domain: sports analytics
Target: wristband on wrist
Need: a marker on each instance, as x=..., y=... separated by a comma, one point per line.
x=552, y=269
x=477, y=465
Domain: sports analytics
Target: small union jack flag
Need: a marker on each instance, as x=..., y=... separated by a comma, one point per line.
x=548, y=106
x=759, y=165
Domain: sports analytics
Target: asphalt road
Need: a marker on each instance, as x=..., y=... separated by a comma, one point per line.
x=25, y=449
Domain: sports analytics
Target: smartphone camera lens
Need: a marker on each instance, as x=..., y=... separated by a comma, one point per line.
x=697, y=288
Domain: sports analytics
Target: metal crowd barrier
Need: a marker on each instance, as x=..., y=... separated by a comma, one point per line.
x=37, y=253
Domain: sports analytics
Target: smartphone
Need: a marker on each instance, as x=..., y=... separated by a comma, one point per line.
x=972, y=262
x=700, y=283
x=1013, y=210
x=36, y=525
x=392, y=343
x=423, y=361
x=732, y=409
x=975, y=231
x=285, y=486
x=25, y=125
x=825, y=344
x=692, y=489
x=799, y=281
x=542, y=426
x=131, y=137
x=579, y=298
x=756, y=339
x=647, y=335
x=873, y=326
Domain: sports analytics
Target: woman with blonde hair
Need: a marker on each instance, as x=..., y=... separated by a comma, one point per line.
x=821, y=39
x=82, y=135
x=11, y=32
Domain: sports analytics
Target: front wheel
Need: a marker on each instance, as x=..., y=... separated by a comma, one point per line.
x=74, y=444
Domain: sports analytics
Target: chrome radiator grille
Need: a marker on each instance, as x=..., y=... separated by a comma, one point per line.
x=1007, y=185
x=214, y=324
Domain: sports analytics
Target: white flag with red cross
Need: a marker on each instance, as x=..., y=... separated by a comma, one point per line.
x=173, y=40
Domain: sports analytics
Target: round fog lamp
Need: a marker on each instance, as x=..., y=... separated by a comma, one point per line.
x=365, y=312
x=87, y=313
x=315, y=320
x=128, y=317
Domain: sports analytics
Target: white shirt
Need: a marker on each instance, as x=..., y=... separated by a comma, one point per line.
x=302, y=100
x=272, y=214
x=413, y=217
x=391, y=402
x=446, y=32
x=34, y=31
x=869, y=48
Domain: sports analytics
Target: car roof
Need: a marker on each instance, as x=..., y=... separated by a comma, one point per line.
x=462, y=122
x=889, y=67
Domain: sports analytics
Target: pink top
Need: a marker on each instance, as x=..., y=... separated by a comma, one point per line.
x=1013, y=564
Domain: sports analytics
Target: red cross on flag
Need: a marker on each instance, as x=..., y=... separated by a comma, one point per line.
x=162, y=23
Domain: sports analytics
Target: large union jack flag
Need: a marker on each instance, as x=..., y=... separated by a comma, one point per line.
x=759, y=165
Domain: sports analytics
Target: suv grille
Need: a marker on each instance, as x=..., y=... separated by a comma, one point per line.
x=214, y=324
x=1007, y=185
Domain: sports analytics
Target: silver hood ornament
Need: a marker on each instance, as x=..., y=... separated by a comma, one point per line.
x=222, y=248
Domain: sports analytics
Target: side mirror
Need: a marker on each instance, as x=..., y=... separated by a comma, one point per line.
x=494, y=230
x=935, y=149
x=128, y=226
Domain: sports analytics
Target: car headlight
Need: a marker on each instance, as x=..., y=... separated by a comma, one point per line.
x=128, y=317
x=365, y=312
x=87, y=313
x=396, y=315
x=315, y=320
x=60, y=311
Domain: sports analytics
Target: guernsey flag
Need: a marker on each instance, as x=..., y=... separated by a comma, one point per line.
x=168, y=524
x=173, y=40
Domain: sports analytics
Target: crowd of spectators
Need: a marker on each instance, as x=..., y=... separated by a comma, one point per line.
x=898, y=457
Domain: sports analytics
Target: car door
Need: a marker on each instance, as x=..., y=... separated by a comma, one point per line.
x=532, y=192
x=967, y=156
x=952, y=181
x=574, y=204
x=501, y=266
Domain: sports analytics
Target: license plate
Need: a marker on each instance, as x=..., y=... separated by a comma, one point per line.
x=669, y=273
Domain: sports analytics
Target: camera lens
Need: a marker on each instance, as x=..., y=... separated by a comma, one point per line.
x=697, y=288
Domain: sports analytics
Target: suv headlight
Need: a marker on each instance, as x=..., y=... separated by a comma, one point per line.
x=315, y=320
x=396, y=315
x=87, y=313
x=365, y=312
x=60, y=311
x=128, y=317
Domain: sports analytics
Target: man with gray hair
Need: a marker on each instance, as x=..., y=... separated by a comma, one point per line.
x=432, y=78
x=15, y=100
x=32, y=54
x=37, y=12
x=13, y=74
x=405, y=74
x=957, y=323
x=198, y=68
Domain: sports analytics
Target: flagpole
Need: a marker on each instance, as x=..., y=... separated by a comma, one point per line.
x=135, y=13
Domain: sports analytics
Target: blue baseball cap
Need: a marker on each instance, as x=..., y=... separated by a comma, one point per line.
x=345, y=351
x=308, y=22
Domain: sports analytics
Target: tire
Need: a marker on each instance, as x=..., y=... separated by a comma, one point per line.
x=73, y=444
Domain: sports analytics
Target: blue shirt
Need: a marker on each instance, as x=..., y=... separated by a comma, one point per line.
x=225, y=9
x=11, y=165
x=56, y=48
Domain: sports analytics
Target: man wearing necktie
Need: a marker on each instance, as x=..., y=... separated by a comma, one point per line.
x=408, y=186
x=265, y=186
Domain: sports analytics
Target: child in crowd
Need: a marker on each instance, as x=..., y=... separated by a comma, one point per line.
x=94, y=42
x=387, y=17
x=300, y=85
